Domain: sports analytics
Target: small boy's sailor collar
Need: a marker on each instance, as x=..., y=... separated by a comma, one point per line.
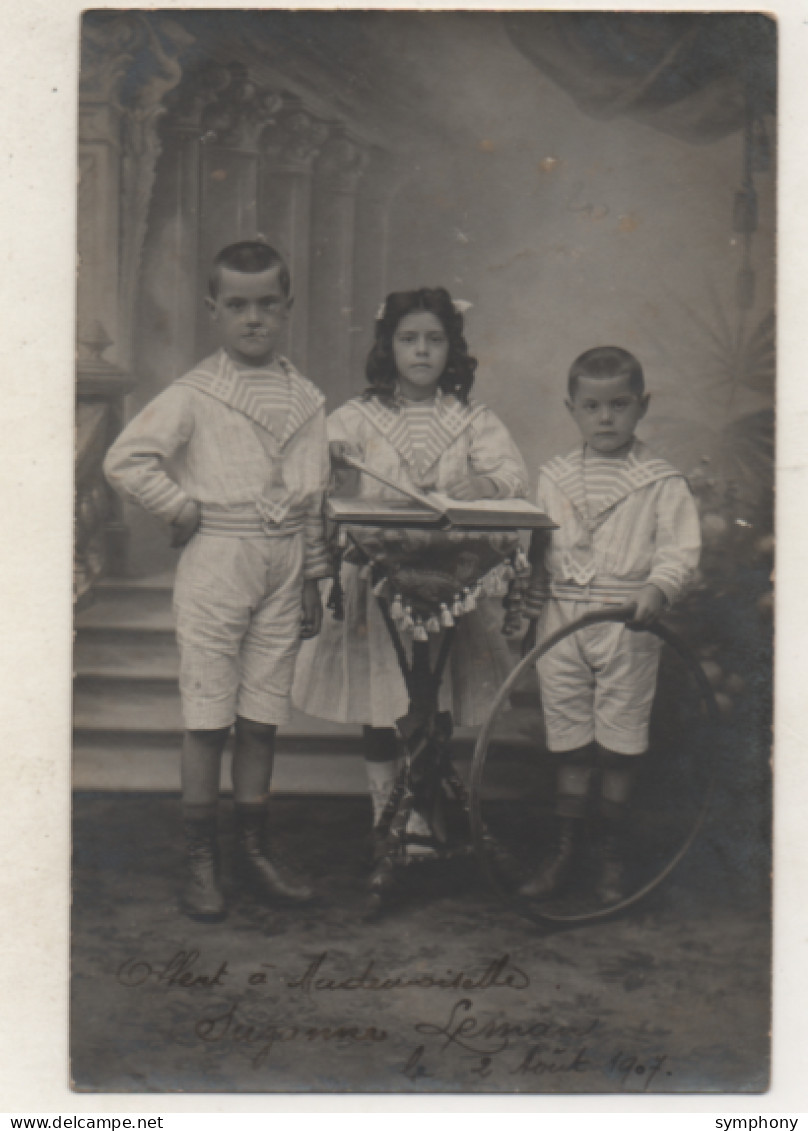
x=220, y=378
x=450, y=418
x=639, y=469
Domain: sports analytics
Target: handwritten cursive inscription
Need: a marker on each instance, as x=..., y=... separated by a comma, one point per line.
x=180, y=970
x=473, y=1035
x=488, y=1038
x=499, y=973
x=263, y=1035
x=188, y=969
x=547, y=1060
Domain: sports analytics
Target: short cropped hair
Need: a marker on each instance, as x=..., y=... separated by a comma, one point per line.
x=606, y=361
x=250, y=257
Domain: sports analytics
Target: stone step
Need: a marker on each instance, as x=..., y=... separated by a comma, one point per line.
x=149, y=707
x=154, y=581
x=125, y=654
x=131, y=763
x=143, y=608
x=152, y=706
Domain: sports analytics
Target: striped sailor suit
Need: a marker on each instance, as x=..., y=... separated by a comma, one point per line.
x=622, y=524
x=248, y=445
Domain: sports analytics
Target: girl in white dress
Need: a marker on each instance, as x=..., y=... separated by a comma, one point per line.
x=416, y=425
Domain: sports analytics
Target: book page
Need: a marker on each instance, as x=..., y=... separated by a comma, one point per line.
x=487, y=506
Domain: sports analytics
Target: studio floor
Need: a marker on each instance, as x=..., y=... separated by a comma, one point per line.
x=449, y=991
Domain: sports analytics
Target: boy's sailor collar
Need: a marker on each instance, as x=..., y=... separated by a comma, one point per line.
x=450, y=418
x=218, y=377
x=639, y=469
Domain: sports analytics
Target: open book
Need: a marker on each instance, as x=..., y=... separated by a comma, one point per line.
x=434, y=509
x=431, y=508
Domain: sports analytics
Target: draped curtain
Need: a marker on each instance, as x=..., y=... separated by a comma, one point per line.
x=698, y=77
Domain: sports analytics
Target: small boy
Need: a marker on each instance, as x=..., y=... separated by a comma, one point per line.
x=628, y=533
x=248, y=433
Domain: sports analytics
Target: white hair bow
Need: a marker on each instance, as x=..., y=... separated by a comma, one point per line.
x=460, y=305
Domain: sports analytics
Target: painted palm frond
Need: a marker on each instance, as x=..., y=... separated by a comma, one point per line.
x=757, y=359
x=737, y=459
x=731, y=452
x=725, y=353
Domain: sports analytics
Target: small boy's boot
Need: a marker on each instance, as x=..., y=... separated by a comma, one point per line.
x=617, y=772
x=573, y=780
x=202, y=897
x=555, y=872
x=256, y=866
x=611, y=883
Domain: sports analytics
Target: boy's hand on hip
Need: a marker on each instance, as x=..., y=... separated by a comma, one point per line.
x=186, y=524
x=311, y=619
x=472, y=487
x=650, y=603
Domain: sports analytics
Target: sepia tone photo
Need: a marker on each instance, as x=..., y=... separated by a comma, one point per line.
x=423, y=552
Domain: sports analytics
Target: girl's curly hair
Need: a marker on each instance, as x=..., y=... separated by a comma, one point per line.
x=380, y=369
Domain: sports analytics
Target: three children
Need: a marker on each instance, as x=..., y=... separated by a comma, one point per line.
x=250, y=443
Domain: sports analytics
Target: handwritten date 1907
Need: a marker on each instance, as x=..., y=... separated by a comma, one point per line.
x=553, y=1049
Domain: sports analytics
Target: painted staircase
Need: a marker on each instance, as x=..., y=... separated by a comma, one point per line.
x=126, y=705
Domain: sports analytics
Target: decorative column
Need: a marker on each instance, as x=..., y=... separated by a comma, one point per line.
x=337, y=176
x=174, y=268
x=289, y=148
x=379, y=189
x=129, y=63
x=107, y=52
x=232, y=126
x=100, y=533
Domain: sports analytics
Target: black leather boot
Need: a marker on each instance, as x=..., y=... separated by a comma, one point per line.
x=618, y=774
x=611, y=884
x=555, y=871
x=256, y=866
x=202, y=897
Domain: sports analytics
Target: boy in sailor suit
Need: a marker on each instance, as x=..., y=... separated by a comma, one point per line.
x=249, y=433
x=628, y=533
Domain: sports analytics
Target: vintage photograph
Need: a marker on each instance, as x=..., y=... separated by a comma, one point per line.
x=425, y=396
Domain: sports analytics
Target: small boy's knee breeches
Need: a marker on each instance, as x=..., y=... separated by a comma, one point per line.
x=598, y=684
x=237, y=606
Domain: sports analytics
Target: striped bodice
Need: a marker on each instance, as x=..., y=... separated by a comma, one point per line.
x=602, y=477
x=270, y=392
x=419, y=419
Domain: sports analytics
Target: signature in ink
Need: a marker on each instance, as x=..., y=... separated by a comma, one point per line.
x=262, y=1036
x=489, y=1038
